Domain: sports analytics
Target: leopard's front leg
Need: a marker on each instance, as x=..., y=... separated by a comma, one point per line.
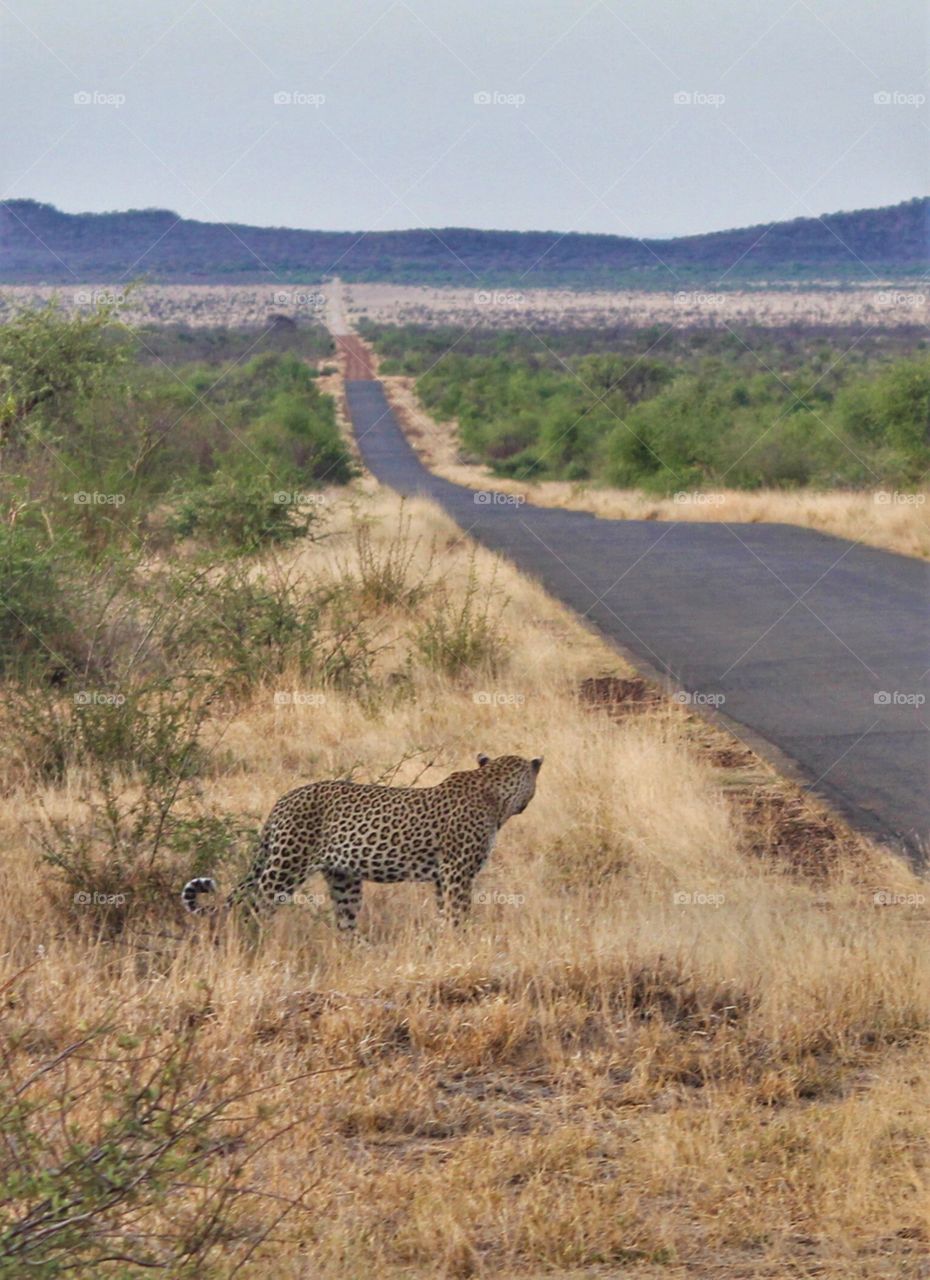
x=457, y=867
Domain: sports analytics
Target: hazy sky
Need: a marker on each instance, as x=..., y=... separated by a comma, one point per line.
x=380, y=128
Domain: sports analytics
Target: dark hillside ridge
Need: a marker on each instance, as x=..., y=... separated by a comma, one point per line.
x=39, y=243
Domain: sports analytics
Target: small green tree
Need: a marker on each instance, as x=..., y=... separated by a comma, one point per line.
x=49, y=358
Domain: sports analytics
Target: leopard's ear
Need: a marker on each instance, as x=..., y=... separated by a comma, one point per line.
x=536, y=763
x=483, y=760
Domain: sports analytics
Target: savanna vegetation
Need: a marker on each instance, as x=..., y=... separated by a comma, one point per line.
x=108, y=441
x=216, y=345
x=684, y=1033
x=671, y=411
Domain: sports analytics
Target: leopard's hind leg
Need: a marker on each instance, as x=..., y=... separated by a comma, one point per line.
x=345, y=890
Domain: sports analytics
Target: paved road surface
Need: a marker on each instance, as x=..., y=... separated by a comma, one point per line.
x=819, y=648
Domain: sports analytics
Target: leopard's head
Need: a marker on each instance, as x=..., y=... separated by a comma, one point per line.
x=513, y=780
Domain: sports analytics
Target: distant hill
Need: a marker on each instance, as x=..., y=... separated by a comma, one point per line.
x=38, y=243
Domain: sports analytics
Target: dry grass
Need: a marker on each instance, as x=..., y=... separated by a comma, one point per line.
x=192, y=305
x=896, y=521
x=658, y=1045
x=883, y=303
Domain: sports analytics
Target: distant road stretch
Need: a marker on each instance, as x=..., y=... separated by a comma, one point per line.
x=817, y=647
x=357, y=357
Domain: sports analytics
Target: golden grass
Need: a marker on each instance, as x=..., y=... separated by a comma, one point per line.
x=885, y=518
x=653, y=1047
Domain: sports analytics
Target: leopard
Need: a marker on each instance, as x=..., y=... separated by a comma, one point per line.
x=356, y=831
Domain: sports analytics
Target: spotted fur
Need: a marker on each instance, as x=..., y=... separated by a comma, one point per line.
x=353, y=832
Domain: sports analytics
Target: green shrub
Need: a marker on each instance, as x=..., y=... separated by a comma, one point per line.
x=298, y=440
x=37, y=634
x=241, y=513
x=149, y=725
x=891, y=412
x=128, y=836
x=253, y=626
x=462, y=637
x=385, y=575
x=259, y=626
x=179, y=345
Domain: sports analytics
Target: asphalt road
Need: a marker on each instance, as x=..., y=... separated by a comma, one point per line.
x=815, y=650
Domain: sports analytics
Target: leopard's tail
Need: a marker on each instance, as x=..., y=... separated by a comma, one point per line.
x=192, y=891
